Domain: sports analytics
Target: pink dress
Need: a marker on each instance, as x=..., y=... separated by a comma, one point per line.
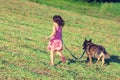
x=55, y=42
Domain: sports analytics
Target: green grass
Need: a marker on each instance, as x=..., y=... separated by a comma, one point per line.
x=103, y=10
x=112, y=9
x=23, y=53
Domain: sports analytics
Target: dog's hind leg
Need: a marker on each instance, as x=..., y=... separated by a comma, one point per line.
x=103, y=59
x=98, y=59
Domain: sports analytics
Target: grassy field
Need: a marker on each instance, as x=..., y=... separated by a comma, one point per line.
x=23, y=53
x=103, y=10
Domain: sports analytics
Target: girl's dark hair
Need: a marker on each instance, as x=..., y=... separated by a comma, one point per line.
x=58, y=19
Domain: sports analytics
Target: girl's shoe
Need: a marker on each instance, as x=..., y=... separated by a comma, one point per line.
x=63, y=59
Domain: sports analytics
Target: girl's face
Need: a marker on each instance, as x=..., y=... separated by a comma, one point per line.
x=55, y=24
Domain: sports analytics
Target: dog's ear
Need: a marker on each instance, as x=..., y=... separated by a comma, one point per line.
x=90, y=40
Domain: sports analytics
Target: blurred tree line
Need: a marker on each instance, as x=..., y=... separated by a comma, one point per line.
x=103, y=0
x=100, y=1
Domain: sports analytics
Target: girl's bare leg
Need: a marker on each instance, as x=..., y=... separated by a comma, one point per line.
x=52, y=57
x=62, y=56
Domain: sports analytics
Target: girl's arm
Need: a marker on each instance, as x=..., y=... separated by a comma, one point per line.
x=53, y=32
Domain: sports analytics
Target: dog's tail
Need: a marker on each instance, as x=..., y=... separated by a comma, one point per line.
x=107, y=55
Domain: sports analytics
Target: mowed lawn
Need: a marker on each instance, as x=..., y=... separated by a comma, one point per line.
x=23, y=49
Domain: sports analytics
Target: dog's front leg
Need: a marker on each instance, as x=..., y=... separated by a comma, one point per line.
x=103, y=60
x=90, y=58
x=87, y=60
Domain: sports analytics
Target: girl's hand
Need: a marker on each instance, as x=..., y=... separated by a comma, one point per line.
x=47, y=37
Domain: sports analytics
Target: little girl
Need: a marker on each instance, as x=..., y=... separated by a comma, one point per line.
x=55, y=43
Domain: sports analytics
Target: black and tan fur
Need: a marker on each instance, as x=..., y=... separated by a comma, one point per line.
x=96, y=51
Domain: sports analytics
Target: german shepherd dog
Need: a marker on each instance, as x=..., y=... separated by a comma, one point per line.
x=96, y=51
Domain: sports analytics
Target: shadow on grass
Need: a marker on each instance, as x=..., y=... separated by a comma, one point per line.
x=113, y=58
x=75, y=61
